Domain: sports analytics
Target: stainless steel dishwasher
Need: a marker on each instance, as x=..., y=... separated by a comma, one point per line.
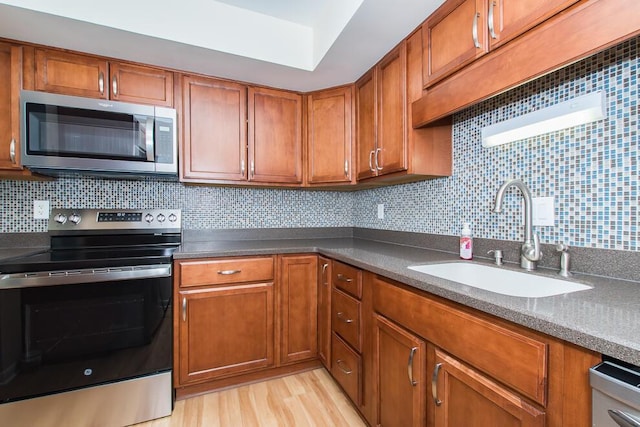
x=616, y=394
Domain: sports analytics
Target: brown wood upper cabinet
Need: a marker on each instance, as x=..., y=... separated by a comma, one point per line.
x=94, y=77
x=10, y=81
x=461, y=31
x=275, y=136
x=381, y=111
x=387, y=145
x=329, y=136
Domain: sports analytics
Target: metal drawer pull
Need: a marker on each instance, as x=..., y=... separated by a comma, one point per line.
x=434, y=384
x=184, y=309
x=492, y=29
x=12, y=151
x=344, y=278
x=474, y=31
x=341, y=317
x=347, y=371
x=229, y=272
x=623, y=419
x=101, y=82
x=410, y=366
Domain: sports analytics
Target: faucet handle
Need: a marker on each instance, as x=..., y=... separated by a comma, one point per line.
x=497, y=253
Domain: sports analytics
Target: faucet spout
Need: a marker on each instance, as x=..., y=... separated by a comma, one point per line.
x=530, y=253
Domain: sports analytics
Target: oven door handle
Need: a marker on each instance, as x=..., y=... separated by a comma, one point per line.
x=89, y=275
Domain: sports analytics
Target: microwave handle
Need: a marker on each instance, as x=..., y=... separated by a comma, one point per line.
x=149, y=142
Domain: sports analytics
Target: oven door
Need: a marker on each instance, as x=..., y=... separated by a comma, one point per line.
x=64, y=337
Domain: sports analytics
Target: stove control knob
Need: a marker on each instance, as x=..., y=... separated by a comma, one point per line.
x=60, y=218
x=173, y=217
x=75, y=218
x=148, y=218
x=160, y=218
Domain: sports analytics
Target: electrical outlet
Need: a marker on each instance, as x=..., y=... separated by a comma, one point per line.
x=40, y=209
x=380, y=211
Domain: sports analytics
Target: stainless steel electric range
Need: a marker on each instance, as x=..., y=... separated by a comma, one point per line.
x=86, y=327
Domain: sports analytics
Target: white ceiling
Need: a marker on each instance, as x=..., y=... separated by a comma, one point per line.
x=294, y=44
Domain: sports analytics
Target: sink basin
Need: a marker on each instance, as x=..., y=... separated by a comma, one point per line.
x=500, y=280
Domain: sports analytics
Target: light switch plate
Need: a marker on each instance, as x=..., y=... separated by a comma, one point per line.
x=40, y=209
x=380, y=211
x=543, y=211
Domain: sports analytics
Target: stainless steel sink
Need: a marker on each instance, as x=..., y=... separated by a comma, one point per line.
x=500, y=280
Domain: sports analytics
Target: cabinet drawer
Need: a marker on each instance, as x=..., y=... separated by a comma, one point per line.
x=345, y=318
x=347, y=278
x=345, y=368
x=225, y=270
x=486, y=344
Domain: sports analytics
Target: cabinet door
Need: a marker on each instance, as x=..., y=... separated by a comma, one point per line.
x=299, y=302
x=366, y=125
x=400, y=363
x=329, y=136
x=10, y=66
x=391, y=148
x=275, y=136
x=71, y=74
x=214, y=131
x=225, y=330
x=465, y=397
x=508, y=19
x=324, y=311
x=454, y=35
x=146, y=85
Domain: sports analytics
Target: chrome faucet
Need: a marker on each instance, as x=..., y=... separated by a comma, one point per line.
x=530, y=252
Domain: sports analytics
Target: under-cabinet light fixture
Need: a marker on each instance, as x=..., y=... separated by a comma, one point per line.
x=577, y=111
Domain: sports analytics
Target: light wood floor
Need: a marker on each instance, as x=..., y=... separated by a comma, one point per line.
x=310, y=398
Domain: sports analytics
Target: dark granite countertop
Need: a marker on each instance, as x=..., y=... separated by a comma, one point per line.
x=605, y=319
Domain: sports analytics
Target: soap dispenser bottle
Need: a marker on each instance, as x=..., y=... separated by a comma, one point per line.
x=466, y=242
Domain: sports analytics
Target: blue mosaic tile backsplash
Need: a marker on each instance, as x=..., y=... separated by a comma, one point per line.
x=590, y=170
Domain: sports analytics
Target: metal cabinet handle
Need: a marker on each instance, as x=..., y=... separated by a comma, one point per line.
x=12, y=151
x=412, y=353
x=101, y=82
x=340, y=316
x=371, y=161
x=184, y=309
x=474, y=30
x=347, y=371
x=228, y=272
x=346, y=168
x=253, y=169
x=623, y=419
x=492, y=29
x=377, y=157
x=114, y=86
x=242, y=167
x=324, y=273
x=434, y=384
x=344, y=278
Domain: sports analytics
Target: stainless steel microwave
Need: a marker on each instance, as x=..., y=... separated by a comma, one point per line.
x=69, y=135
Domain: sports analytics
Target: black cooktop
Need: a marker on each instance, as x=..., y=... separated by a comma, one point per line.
x=76, y=259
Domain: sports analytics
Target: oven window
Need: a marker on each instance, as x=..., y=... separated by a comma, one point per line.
x=73, y=132
x=59, y=338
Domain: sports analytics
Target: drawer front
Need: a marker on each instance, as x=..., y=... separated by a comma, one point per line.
x=345, y=318
x=477, y=340
x=225, y=270
x=346, y=367
x=347, y=278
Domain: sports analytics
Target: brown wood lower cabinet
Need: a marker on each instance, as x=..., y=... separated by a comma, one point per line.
x=400, y=364
x=466, y=397
x=324, y=311
x=226, y=330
